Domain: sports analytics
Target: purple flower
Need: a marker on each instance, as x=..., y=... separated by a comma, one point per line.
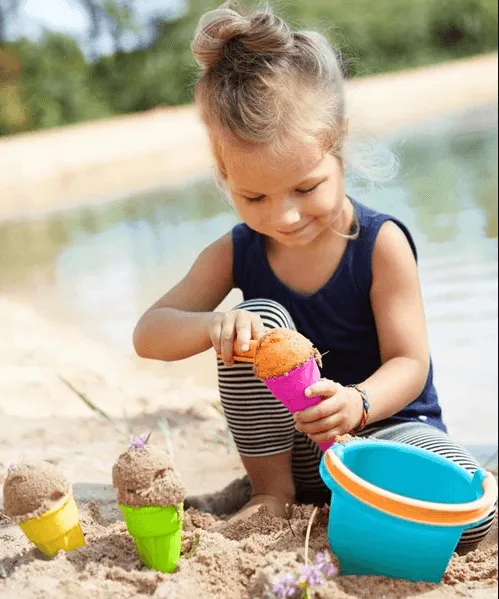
x=286, y=587
x=321, y=558
x=139, y=442
x=294, y=587
x=11, y=466
x=323, y=562
x=312, y=576
x=329, y=570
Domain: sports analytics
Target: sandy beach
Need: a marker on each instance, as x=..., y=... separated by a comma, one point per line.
x=47, y=368
x=41, y=417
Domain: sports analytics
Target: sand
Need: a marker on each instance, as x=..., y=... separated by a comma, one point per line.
x=33, y=488
x=219, y=559
x=279, y=351
x=41, y=416
x=145, y=476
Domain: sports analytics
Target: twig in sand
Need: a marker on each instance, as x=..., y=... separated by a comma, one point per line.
x=307, y=537
x=229, y=441
x=287, y=507
x=164, y=426
x=126, y=420
x=216, y=405
x=92, y=406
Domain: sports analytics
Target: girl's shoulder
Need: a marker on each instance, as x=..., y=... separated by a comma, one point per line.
x=370, y=222
x=245, y=240
x=241, y=232
x=361, y=250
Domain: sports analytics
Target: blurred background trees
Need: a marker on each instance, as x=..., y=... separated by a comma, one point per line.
x=55, y=80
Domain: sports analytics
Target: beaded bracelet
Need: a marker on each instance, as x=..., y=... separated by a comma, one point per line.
x=366, y=406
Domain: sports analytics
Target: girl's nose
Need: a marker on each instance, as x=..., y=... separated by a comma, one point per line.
x=285, y=213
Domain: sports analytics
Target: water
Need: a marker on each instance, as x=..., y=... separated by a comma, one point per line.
x=101, y=267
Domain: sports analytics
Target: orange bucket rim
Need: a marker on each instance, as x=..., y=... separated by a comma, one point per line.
x=415, y=510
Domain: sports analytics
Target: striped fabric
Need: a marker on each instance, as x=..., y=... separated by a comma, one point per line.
x=262, y=426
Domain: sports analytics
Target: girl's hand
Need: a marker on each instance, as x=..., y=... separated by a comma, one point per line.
x=340, y=411
x=237, y=325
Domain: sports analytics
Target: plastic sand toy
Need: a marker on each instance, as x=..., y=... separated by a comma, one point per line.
x=398, y=510
x=150, y=496
x=39, y=498
x=287, y=363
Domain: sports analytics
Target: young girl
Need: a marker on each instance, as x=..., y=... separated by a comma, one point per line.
x=307, y=257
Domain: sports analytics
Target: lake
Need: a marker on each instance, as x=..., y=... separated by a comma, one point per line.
x=100, y=267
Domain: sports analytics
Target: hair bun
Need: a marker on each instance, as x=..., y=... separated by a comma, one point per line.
x=262, y=33
x=269, y=34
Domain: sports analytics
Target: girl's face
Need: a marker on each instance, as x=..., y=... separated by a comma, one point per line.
x=291, y=200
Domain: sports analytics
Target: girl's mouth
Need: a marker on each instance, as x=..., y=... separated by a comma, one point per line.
x=295, y=231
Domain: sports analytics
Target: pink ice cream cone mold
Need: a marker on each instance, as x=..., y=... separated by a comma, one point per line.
x=288, y=363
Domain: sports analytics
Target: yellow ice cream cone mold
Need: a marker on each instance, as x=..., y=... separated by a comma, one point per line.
x=56, y=530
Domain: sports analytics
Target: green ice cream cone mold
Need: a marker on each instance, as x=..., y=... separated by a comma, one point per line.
x=157, y=532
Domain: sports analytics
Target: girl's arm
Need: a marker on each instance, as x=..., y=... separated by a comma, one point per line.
x=400, y=323
x=177, y=326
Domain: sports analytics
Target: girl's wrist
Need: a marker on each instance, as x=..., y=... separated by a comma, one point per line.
x=208, y=319
x=365, y=406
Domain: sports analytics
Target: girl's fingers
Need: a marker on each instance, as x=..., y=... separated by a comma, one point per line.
x=215, y=334
x=324, y=387
x=257, y=327
x=238, y=328
x=243, y=331
x=318, y=426
x=227, y=341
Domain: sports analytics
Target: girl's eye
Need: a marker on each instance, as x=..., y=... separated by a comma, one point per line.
x=305, y=191
x=257, y=199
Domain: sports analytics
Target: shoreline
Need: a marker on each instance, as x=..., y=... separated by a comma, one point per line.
x=88, y=163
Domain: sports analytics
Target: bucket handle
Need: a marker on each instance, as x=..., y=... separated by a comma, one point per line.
x=415, y=510
x=485, y=485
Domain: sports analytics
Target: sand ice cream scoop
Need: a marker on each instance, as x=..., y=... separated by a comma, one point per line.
x=38, y=497
x=150, y=496
x=288, y=363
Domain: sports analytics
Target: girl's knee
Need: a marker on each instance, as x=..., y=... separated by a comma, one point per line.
x=272, y=313
x=473, y=536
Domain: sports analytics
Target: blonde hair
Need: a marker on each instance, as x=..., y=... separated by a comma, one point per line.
x=264, y=83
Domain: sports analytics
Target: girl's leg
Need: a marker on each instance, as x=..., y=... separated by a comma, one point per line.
x=433, y=439
x=262, y=428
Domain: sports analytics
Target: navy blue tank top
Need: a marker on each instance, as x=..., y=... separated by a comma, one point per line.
x=338, y=318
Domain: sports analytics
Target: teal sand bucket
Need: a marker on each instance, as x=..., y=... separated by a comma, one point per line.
x=399, y=511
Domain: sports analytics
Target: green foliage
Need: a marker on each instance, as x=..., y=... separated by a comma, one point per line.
x=385, y=35
x=54, y=83
x=162, y=75
x=57, y=85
